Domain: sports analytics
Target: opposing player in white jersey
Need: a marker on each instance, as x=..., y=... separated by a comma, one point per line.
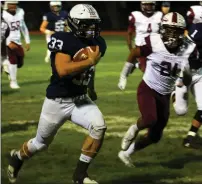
x=153, y=94
x=5, y=31
x=194, y=14
x=179, y=96
x=141, y=24
x=14, y=17
x=53, y=21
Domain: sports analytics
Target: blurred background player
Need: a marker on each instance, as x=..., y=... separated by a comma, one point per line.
x=4, y=34
x=14, y=17
x=165, y=7
x=180, y=101
x=141, y=24
x=53, y=21
x=194, y=14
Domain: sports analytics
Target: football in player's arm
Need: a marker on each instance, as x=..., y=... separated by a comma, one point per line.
x=66, y=95
x=64, y=62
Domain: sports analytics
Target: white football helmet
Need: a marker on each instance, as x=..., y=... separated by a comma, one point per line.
x=172, y=29
x=84, y=21
x=148, y=7
x=6, y=4
x=55, y=6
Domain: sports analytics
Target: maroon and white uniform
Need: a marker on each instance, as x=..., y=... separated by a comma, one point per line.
x=17, y=26
x=4, y=34
x=153, y=94
x=162, y=66
x=144, y=26
x=194, y=15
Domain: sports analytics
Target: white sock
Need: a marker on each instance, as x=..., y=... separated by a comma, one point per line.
x=13, y=72
x=133, y=129
x=193, y=134
x=130, y=150
x=85, y=158
x=18, y=155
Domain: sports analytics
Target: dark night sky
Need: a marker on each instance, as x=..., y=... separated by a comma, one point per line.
x=35, y=9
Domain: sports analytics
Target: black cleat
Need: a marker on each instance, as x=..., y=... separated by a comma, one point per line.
x=14, y=166
x=92, y=94
x=192, y=142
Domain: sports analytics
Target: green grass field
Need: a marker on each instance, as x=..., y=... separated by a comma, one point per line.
x=164, y=163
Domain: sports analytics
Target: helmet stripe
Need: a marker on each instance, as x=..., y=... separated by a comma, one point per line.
x=174, y=18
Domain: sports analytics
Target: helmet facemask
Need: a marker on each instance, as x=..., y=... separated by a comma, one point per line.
x=148, y=8
x=11, y=8
x=172, y=36
x=85, y=28
x=55, y=8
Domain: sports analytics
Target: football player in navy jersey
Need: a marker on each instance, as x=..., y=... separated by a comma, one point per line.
x=66, y=95
x=53, y=21
x=180, y=101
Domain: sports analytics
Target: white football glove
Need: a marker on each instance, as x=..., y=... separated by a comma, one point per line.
x=122, y=82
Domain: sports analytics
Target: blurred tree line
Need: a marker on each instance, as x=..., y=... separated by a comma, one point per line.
x=114, y=14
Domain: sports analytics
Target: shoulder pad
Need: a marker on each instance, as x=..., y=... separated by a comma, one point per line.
x=20, y=11
x=102, y=45
x=65, y=42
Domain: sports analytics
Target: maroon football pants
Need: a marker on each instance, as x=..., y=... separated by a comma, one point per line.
x=155, y=110
x=16, y=56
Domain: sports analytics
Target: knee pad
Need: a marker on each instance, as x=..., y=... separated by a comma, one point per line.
x=180, y=111
x=198, y=116
x=98, y=132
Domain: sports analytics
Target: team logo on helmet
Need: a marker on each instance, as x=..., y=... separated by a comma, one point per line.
x=172, y=29
x=84, y=21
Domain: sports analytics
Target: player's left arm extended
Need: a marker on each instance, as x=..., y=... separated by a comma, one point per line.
x=135, y=53
x=25, y=33
x=128, y=66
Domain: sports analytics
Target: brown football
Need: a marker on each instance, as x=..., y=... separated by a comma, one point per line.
x=82, y=54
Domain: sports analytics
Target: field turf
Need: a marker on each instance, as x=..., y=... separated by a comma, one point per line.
x=164, y=163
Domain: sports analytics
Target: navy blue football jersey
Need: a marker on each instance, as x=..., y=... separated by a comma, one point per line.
x=195, y=33
x=56, y=22
x=74, y=84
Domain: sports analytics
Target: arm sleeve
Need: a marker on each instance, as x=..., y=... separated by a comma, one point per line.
x=45, y=18
x=67, y=44
x=24, y=29
x=25, y=32
x=102, y=45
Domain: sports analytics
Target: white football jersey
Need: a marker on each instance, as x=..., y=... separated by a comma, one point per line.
x=195, y=13
x=144, y=26
x=14, y=22
x=162, y=67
